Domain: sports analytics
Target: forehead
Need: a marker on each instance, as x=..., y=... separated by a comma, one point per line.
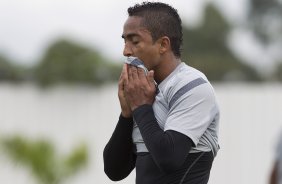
x=133, y=26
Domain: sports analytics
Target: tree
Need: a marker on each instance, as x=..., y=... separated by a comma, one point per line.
x=265, y=20
x=205, y=48
x=278, y=72
x=41, y=159
x=10, y=72
x=68, y=62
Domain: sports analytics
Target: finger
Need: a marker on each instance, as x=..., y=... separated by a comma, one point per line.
x=124, y=73
x=130, y=78
x=150, y=78
x=123, y=77
x=132, y=73
x=141, y=74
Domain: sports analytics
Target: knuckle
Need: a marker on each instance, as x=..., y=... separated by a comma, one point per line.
x=140, y=70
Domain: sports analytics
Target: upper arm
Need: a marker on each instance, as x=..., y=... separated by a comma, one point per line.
x=192, y=110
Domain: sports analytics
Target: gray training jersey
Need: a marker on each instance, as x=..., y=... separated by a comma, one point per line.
x=186, y=103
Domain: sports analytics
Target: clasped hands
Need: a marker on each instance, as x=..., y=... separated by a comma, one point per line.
x=135, y=89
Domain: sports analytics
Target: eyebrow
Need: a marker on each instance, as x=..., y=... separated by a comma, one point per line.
x=128, y=36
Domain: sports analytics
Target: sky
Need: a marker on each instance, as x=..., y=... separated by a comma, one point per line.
x=28, y=27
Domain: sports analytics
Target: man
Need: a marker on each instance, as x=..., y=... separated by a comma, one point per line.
x=276, y=172
x=167, y=133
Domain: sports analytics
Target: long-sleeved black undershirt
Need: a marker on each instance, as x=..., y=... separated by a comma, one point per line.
x=168, y=149
x=119, y=156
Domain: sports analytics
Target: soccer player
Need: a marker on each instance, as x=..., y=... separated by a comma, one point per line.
x=168, y=132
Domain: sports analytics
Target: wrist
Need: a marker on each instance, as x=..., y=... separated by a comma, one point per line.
x=126, y=114
x=134, y=107
x=141, y=109
x=140, y=113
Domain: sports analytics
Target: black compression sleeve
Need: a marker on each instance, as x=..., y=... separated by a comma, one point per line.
x=169, y=149
x=119, y=157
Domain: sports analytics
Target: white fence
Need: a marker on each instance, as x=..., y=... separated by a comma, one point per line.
x=251, y=119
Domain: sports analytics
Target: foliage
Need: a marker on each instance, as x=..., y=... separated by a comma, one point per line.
x=265, y=19
x=205, y=48
x=278, y=72
x=265, y=22
x=69, y=62
x=9, y=71
x=41, y=159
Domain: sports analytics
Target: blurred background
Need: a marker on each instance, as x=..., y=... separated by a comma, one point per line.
x=59, y=65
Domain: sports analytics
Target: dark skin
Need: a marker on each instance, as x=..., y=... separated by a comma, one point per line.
x=135, y=88
x=273, y=174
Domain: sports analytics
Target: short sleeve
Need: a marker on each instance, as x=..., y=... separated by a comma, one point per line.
x=193, y=112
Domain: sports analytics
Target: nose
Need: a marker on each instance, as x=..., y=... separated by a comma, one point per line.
x=127, y=51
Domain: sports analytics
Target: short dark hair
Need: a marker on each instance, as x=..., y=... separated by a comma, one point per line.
x=161, y=20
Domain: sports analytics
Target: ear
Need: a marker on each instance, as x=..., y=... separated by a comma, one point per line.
x=164, y=44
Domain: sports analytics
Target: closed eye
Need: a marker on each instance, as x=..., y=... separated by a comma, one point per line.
x=135, y=42
x=131, y=37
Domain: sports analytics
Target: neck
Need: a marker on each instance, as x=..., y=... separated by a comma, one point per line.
x=165, y=68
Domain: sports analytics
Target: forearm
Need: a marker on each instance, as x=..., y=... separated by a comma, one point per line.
x=169, y=149
x=119, y=159
x=273, y=174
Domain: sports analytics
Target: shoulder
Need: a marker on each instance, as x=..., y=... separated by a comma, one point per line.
x=183, y=75
x=186, y=80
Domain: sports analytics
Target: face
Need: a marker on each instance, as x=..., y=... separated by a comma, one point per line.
x=138, y=42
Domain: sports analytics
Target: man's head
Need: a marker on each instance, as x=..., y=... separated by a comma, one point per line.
x=160, y=20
